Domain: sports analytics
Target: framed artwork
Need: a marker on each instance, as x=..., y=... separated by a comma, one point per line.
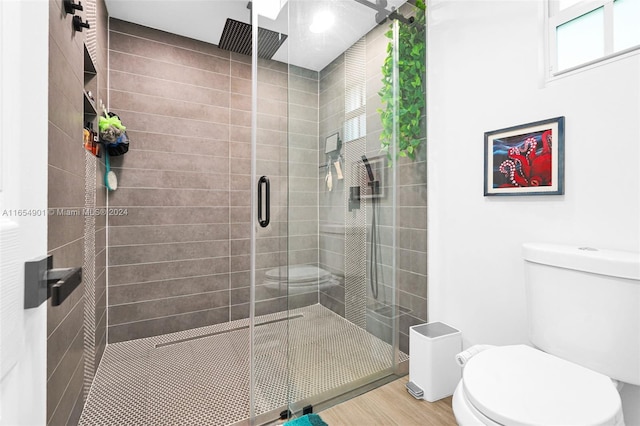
x=525, y=160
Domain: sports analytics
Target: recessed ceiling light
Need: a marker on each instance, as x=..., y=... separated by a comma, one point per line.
x=322, y=21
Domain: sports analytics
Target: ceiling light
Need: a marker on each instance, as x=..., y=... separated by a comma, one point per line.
x=322, y=21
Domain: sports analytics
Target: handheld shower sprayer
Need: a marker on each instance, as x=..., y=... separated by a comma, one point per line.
x=373, y=183
x=375, y=257
x=368, y=166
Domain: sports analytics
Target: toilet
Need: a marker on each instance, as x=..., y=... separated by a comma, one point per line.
x=584, y=325
x=299, y=278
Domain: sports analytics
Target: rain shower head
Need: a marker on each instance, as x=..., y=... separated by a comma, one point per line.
x=236, y=37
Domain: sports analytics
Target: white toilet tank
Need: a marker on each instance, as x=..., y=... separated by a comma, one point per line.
x=583, y=305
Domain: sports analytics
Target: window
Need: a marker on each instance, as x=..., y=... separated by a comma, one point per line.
x=626, y=29
x=582, y=32
x=355, y=128
x=355, y=125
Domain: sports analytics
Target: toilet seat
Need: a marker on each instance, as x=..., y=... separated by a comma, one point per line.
x=520, y=385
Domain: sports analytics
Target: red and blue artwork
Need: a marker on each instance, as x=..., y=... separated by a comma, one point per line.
x=523, y=160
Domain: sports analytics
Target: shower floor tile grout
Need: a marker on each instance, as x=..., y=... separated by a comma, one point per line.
x=201, y=376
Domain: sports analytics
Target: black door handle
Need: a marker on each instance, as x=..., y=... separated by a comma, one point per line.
x=41, y=281
x=263, y=182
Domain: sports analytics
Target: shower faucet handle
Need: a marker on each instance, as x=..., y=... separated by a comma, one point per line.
x=354, y=198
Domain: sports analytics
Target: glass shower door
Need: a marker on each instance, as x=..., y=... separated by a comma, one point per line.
x=343, y=299
x=326, y=309
x=269, y=228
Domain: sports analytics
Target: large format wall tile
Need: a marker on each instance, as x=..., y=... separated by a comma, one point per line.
x=182, y=243
x=73, y=347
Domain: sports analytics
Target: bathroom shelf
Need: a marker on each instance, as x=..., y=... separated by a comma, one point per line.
x=89, y=106
x=90, y=85
x=89, y=67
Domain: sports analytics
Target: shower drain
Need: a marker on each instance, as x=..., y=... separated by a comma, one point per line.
x=244, y=327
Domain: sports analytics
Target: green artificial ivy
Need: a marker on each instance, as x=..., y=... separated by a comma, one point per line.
x=411, y=101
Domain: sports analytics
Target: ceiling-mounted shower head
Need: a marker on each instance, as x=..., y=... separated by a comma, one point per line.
x=236, y=37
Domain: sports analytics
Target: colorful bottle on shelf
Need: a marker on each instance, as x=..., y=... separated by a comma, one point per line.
x=90, y=137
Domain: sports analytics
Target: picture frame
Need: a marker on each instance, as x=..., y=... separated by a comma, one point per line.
x=527, y=159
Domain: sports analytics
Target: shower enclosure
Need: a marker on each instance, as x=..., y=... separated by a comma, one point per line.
x=326, y=237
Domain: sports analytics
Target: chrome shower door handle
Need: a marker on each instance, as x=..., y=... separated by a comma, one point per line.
x=263, y=183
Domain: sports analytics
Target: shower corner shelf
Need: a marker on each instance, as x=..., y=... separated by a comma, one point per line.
x=89, y=67
x=89, y=106
x=90, y=85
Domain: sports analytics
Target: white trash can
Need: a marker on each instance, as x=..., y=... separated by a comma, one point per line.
x=433, y=371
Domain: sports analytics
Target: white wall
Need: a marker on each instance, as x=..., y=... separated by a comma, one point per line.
x=24, y=31
x=485, y=72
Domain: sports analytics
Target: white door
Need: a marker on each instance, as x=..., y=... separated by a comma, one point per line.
x=24, y=32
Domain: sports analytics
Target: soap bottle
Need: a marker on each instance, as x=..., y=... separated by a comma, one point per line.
x=91, y=140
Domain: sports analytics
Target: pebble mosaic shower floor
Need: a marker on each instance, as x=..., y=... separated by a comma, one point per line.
x=201, y=376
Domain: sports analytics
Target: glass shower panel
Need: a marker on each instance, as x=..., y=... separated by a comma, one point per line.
x=325, y=305
x=269, y=228
x=344, y=313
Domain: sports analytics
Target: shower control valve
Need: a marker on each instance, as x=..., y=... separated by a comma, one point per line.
x=354, y=198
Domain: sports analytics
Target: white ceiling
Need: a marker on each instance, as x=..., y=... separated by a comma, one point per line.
x=204, y=20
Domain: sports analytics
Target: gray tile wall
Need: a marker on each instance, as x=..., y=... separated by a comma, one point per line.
x=101, y=195
x=66, y=350
x=179, y=259
x=411, y=274
x=169, y=259
x=302, y=215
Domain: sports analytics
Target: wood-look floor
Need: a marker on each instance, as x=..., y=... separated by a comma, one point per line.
x=390, y=405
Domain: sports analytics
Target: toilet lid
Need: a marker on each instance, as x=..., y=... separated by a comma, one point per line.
x=520, y=385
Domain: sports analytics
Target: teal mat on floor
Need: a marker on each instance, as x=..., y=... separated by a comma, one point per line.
x=307, y=420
